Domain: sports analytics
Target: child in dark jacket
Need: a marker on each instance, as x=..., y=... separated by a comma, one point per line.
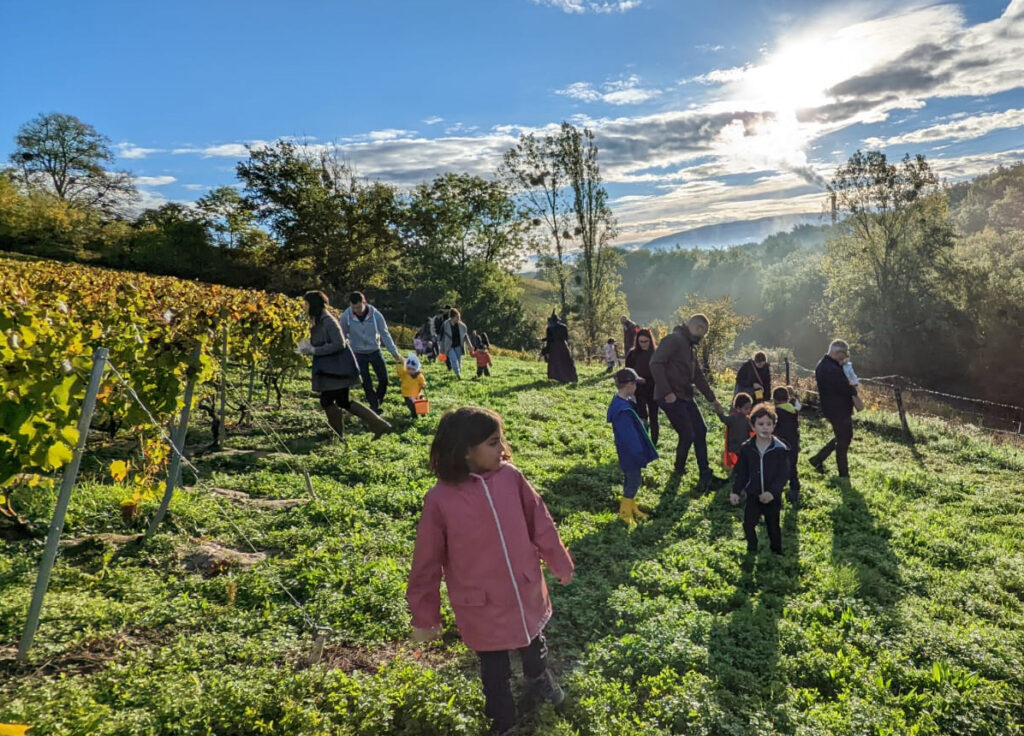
x=631, y=442
x=762, y=472
x=788, y=430
x=737, y=429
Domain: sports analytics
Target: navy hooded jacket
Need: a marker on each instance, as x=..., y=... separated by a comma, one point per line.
x=631, y=439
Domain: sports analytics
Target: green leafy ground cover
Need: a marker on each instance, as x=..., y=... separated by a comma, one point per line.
x=897, y=608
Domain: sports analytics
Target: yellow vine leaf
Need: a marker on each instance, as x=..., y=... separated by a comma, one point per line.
x=58, y=454
x=119, y=470
x=14, y=729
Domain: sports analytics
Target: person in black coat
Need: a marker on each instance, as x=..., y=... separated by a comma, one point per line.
x=761, y=473
x=561, y=366
x=788, y=430
x=755, y=378
x=838, y=398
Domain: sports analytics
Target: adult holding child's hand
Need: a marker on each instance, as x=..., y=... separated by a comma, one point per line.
x=676, y=372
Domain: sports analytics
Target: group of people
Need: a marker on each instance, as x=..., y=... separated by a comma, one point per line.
x=485, y=531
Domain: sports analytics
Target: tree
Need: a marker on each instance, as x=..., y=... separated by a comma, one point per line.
x=892, y=283
x=65, y=156
x=342, y=231
x=723, y=328
x=533, y=168
x=596, y=272
x=463, y=238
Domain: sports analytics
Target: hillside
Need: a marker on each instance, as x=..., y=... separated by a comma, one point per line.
x=896, y=608
x=725, y=234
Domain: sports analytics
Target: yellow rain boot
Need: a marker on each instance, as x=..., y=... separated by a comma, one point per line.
x=637, y=513
x=626, y=507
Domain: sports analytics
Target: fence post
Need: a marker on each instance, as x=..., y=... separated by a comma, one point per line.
x=223, y=387
x=787, y=370
x=174, y=470
x=99, y=362
x=903, y=414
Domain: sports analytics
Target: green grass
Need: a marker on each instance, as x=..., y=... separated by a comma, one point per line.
x=897, y=608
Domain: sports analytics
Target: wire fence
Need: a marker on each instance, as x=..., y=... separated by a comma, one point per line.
x=899, y=393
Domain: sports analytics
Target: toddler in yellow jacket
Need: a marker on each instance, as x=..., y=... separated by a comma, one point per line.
x=413, y=381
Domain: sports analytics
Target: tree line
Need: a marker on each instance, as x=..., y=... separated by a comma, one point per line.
x=300, y=217
x=925, y=279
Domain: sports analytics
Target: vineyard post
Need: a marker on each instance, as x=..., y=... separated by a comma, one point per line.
x=223, y=386
x=174, y=470
x=903, y=414
x=99, y=362
x=252, y=380
x=787, y=369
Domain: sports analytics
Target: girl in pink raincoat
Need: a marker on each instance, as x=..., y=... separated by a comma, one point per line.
x=485, y=530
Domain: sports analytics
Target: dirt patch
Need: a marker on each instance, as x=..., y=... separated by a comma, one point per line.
x=371, y=659
x=89, y=656
x=210, y=558
x=278, y=504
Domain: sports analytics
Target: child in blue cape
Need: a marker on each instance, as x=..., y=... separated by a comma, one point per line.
x=631, y=442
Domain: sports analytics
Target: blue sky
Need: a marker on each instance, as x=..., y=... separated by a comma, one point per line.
x=705, y=112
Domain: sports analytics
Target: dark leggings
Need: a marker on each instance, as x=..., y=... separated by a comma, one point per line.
x=687, y=421
x=482, y=370
x=337, y=396
x=842, y=436
x=770, y=511
x=647, y=409
x=496, y=670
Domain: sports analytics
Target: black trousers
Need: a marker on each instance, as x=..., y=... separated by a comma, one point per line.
x=647, y=409
x=685, y=417
x=794, y=476
x=842, y=431
x=411, y=405
x=482, y=370
x=496, y=672
x=337, y=396
x=374, y=397
x=771, y=512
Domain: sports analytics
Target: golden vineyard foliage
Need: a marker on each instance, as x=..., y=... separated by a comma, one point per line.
x=55, y=315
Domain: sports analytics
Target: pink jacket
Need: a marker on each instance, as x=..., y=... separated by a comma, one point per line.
x=492, y=570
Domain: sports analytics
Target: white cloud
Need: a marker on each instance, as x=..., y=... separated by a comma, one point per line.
x=228, y=150
x=594, y=6
x=962, y=129
x=389, y=134
x=722, y=76
x=626, y=91
x=461, y=128
x=710, y=47
x=196, y=187
x=433, y=120
x=154, y=181
x=130, y=150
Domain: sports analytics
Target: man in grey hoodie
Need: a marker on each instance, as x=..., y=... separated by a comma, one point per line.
x=366, y=328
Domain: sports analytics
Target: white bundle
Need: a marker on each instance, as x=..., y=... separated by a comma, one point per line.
x=850, y=375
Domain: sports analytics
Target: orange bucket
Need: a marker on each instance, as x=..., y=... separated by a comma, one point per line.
x=443, y=358
x=421, y=405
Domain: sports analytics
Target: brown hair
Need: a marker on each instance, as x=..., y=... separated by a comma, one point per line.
x=760, y=356
x=644, y=332
x=782, y=394
x=700, y=317
x=317, y=301
x=453, y=312
x=741, y=399
x=763, y=410
x=458, y=432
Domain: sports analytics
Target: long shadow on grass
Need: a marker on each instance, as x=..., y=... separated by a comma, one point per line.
x=743, y=644
x=861, y=542
x=605, y=557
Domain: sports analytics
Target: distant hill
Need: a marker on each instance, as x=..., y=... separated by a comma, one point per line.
x=725, y=234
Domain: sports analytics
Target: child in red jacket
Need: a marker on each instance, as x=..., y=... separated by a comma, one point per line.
x=485, y=530
x=483, y=360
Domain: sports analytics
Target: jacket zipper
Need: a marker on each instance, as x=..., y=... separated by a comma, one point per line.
x=508, y=560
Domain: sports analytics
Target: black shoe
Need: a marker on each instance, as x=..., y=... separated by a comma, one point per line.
x=793, y=495
x=545, y=688
x=818, y=468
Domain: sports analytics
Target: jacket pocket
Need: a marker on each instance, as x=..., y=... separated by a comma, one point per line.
x=531, y=574
x=471, y=597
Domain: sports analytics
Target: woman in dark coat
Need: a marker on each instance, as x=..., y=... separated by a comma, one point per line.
x=325, y=340
x=639, y=359
x=561, y=367
x=755, y=378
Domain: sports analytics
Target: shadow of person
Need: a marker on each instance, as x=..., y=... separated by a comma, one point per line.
x=861, y=542
x=743, y=642
x=605, y=556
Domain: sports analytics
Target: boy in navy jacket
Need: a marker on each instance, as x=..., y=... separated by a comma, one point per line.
x=631, y=442
x=762, y=472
